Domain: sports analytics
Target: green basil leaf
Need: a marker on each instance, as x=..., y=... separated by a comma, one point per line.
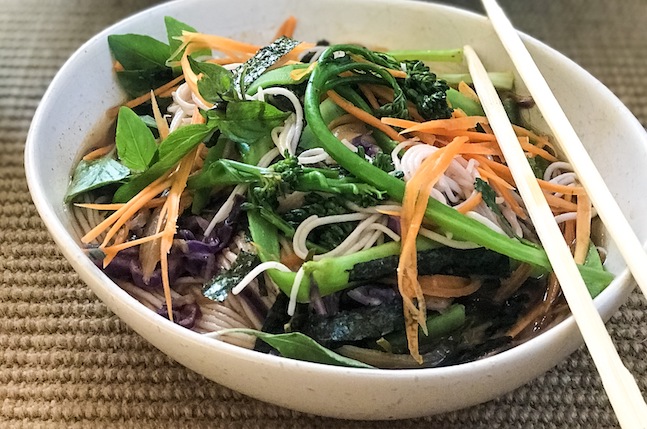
x=174, y=29
x=215, y=84
x=249, y=124
x=296, y=345
x=139, y=82
x=248, y=121
x=138, y=52
x=89, y=175
x=171, y=151
x=144, y=61
x=135, y=142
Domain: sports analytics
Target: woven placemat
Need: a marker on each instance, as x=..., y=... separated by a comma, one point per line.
x=66, y=361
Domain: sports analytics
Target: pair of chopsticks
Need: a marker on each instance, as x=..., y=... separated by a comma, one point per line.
x=622, y=390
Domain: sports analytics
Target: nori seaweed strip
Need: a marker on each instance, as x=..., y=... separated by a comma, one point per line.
x=349, y=326
x=443, y=260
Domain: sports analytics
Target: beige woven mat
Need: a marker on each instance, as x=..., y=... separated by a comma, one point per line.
x=66, y=361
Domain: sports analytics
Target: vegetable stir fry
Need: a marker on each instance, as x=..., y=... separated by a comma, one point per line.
x=331, y=203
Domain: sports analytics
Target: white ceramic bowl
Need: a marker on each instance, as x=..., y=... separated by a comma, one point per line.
x=75, y=103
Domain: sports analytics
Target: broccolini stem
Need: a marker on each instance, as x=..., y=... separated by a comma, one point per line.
x=437, y=55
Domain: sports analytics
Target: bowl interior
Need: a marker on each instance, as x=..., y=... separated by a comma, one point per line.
x=73, y=111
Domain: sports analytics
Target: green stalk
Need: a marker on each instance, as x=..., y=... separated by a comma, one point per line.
x=500, y=80
x=439, y=55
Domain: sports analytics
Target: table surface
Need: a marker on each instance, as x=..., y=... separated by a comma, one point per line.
x=67, y=361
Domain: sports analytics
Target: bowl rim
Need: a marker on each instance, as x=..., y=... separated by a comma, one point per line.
x=95, y=278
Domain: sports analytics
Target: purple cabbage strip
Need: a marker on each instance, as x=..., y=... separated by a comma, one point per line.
x=193, y=254
x=183, y=314
x=367, y=142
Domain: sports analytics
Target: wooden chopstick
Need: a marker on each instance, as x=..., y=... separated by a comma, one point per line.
x=570, y=144
x=621, y=387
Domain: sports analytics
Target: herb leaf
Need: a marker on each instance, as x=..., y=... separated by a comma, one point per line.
x=94, y=174
x=135, y=142
x=143, y=59
x=245, y=122
x=138, y=52
x=296, y=345
x=249, y=124
x=215, y=84
x=171, y=151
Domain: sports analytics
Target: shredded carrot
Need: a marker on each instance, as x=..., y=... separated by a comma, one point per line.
x=155, y=202
x=214, y=42
x=145, y=97
x=470, y=203
x=504, y=172
x=489, y=175
x=509, y=199
x=535, y=150
x=171, y=211
x=145, y=195
x=540, y=141
x=561, y=189
x=386, y=93
x=426, y=138
x=98, y=153
x=560, y=204
x=465, y=123
x=467, y=91
x=363, y=116
x=291, y=260
x=472, y=135
x=414, y=205
x=287, y=28
x=162, y=125
x=370, y=96
x=111, y=251
x=582, y=229
x=481, y=149
x=458, y=113
x=445, y=286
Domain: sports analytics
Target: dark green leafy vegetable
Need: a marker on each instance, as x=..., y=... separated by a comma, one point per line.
x=538, y=165
x=171, y=151
x=266, y=57
x=218, y=288
x=135, y=143
x=143, y=59
x=138, y=52
x=283, y=177
x=89, y=175
x=296, y=345
x=249, y=124
x=327, y=237
x=174, y=29
x=215, y=84
x=427, y=92
x=383, y=161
